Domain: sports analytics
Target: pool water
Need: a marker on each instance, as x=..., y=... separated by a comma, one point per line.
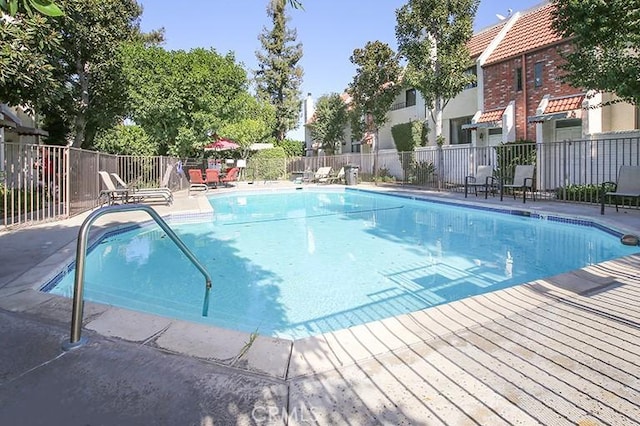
x=299, y=263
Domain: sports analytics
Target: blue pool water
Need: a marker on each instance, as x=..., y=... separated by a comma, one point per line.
x=300, y=263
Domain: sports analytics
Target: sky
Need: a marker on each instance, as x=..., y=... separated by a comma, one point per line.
x=329, y=31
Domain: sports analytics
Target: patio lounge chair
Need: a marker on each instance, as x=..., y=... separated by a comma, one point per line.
x=522, y=180
x=321, y=173
x=230, y=176
x=628, y=186
x=483, y=178
x=112, y=195
x=161, y=192
x=196, y=182
x=213, y=177
x=333, y=178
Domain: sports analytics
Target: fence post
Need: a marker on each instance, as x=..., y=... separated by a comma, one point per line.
x=67, y=182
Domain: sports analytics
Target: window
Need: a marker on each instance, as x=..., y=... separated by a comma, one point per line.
x=355, y=147
x=563, y=124
x=518, y=79
x=410, y=97
x=474, y=72
x=458, y=135
x=537, y=74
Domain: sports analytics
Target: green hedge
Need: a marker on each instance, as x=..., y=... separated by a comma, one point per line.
x=268, y=164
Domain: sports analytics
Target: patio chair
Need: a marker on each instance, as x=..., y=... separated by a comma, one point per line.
x=230, y=176
x=196, y=181
x=321, y=173
x=112, y=195
x=482, y=179
x=160, y=192
x=333, y=178
x=627, y=186
x=522, y=180
x=213, y=177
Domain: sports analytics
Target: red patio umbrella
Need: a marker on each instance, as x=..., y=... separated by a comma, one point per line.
x=221, y=144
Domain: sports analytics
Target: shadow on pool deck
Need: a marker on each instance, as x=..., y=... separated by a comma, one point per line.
x=556, y=351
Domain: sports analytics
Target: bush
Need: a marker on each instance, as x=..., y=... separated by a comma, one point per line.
x=291, y=148
x=20, y=199
x=406, y=137
x=586, y=193
x=422, y=172
x=384, y=175
x=268, y=164
x=511, y=154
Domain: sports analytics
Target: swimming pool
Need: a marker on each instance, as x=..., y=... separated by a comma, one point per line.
x=298, y=263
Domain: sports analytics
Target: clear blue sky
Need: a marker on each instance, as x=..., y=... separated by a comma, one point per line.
x=329, y=31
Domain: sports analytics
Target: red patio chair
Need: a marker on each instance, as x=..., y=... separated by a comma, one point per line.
x=230, y=176
x=196, y=181
x=213, y=177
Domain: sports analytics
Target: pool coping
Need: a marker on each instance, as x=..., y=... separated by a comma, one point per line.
x=282, y=358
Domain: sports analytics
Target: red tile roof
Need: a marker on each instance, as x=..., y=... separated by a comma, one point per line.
x=479, y=42
x=567, y=103
x=530, y=32
x=491, y=116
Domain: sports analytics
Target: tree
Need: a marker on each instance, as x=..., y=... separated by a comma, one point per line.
x=291, y=147
x=45, y=7
x=329, y=122
x=125, y=140
x=252, y=122
x=28, y=44
x=607, y=44
x=180, y=97
x=279, y=76
x=89, y=85
x=373, y=88
x=432, y=37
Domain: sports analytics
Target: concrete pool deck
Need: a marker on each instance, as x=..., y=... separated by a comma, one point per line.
x=564, y=350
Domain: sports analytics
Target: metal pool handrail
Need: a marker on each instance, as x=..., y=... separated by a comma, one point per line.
x=81, y=254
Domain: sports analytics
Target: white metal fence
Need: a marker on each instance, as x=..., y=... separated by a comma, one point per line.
x=40, y=182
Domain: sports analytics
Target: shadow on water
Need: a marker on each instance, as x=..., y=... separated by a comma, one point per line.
x=463, y=252
x=142, y=269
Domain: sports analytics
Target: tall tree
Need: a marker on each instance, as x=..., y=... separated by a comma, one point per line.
x=329, y=121
x=607, y=45
x=373, y=88
x=91, y=96
x=178, y=97
x=279, y=75
x=432, y=37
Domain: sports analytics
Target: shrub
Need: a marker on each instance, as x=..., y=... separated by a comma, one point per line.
x=406, y=137
x=422, y=172
x=586, y=193
x=268, y=164
x=511, y=154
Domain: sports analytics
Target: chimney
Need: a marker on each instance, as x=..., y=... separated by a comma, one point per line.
x=308, y=108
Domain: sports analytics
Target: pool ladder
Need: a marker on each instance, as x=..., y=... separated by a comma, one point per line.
x=81, y=253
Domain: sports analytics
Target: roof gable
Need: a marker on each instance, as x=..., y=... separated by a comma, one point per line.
x=532, y=31
x=481, y=40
